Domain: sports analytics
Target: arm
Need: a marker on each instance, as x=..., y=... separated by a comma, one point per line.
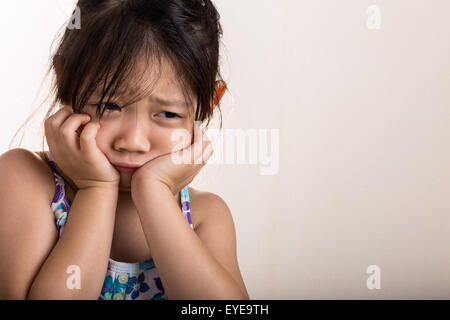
x=217, y=232
x=187, y=268
x=30, y=254
x=85, y=242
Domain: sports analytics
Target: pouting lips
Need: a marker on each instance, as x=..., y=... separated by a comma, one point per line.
x=125, y=169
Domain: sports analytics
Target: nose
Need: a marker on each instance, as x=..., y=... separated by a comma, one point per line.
x=133, y=135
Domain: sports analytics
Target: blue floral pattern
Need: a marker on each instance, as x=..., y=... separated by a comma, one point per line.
x=135, y=288
x=107, y=287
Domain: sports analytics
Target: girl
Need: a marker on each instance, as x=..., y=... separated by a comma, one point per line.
x=122, y=222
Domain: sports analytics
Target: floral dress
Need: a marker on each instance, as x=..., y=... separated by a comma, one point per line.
x=123, y=280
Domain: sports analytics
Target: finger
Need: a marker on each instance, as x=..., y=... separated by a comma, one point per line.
x=198, y=133
x=73, y=122
x=60, y=116
x=196, y=147
x=88, y=144
x=69, y=129
x=208, y=151
x=201, y=146
x=53, y=123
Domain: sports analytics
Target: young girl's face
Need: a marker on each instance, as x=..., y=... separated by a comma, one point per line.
x=142, y=131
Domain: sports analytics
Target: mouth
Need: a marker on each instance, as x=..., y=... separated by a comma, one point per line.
x=126, y=169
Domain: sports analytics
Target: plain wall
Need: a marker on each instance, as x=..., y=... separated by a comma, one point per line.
x=364, y=174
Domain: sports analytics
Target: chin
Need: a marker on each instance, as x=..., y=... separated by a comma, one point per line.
x=124, y=188
x=124, y=184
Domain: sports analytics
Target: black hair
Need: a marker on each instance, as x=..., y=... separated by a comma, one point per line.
x=103, y=54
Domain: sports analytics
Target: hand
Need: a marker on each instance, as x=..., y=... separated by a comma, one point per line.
x=174, y=170
x=78, y=155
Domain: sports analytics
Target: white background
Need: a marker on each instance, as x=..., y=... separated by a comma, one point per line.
x=363, y=115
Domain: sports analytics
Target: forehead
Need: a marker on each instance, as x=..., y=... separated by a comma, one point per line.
x=155, y=81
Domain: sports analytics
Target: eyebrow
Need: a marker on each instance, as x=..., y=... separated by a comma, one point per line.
x=165, y=102
x=160, y=100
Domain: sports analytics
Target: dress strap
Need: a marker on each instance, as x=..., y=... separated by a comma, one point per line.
x=60, y=193
x=185, y=205
x=61, y=203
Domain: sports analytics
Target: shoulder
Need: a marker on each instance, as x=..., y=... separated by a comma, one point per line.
x=19, y=162
x=205, y=206
x=27, y=229
x=207, y=198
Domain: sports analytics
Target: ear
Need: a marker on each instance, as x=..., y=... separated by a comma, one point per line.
x=221, y=87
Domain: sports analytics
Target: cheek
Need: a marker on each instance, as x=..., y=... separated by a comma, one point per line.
x=161, y=140
x=168, y=141
x=102, y=138
x=185, y=141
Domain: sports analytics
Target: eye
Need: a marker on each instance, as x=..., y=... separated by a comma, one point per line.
x=170, y=115
x=106, y=106
x=110, y=106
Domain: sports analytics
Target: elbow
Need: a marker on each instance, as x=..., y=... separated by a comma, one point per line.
x=243, y=296
x=237, y=294
x=13, y=295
